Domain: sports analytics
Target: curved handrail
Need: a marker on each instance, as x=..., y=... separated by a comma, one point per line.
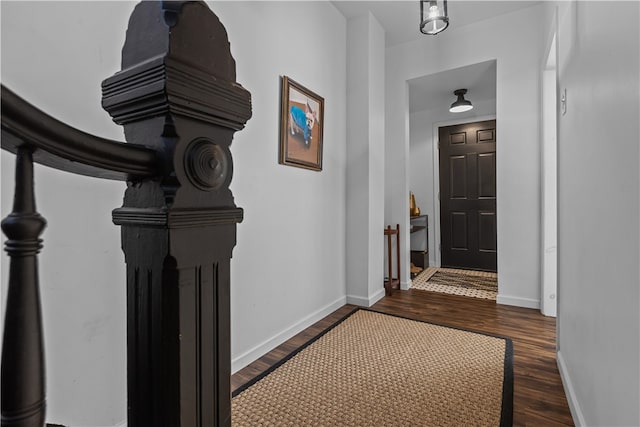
x=63, y=147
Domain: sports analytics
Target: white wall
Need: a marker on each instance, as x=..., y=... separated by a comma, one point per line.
x=598, y=226
x=289, y=264
x=365, y=160
x=82, y=270
x=513, y=40
x=288, y=267
x=423, y=160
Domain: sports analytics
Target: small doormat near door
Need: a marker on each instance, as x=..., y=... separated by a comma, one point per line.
x=477, y=284
x=373, y=369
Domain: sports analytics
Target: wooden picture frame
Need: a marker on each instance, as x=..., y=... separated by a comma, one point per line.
x=301, y=126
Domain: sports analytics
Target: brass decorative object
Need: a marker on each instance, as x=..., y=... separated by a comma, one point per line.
x=413, y=209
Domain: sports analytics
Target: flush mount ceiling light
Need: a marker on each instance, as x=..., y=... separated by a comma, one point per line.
x=461, y=104
x=433, y=16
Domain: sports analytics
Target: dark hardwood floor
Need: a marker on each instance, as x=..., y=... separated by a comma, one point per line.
x=539, y=398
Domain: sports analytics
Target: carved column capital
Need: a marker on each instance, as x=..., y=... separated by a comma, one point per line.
x=177, y=93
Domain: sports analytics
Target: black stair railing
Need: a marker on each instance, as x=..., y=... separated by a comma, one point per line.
x=180, y=105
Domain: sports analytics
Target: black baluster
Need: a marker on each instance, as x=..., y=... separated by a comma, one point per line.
x=23, y=382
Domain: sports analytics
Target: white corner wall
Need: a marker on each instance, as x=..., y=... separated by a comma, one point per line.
x=513, y=40
x=599, y=207
x=288, y=268
x=365, y=160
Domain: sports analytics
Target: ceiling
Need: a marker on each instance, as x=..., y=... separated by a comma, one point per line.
x=436, y=90
x=401, y=18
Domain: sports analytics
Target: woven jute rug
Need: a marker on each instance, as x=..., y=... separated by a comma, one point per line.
x=373, y=369
x=477, y=284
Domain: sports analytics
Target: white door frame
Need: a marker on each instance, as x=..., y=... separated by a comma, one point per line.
x=549, y=185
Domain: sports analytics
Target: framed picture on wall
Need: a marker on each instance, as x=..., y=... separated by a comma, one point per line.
x=301, y=125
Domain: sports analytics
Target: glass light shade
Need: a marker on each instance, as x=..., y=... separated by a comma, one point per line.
x=461, y=105
x=433, y=16
x=461, y=108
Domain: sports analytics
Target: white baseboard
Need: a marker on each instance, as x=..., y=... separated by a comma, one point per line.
x=266, y=346
x=360, y=301
x=376, y=297
x=574, y=406
x=365, y=302
x=405, y=286
x=518, y=302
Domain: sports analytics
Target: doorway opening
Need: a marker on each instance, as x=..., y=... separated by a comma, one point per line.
x=430, y=97
x=464, y=171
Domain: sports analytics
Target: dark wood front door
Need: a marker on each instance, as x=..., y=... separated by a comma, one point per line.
x=468, y=195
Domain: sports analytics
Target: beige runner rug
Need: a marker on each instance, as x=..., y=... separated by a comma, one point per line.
x=468, y=283
x=373, y=369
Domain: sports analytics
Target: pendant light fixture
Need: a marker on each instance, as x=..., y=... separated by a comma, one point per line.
x=461, y=105
x=433, y=16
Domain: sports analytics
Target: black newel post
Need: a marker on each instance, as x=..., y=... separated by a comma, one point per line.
x=177, y=94
x=23, y=381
